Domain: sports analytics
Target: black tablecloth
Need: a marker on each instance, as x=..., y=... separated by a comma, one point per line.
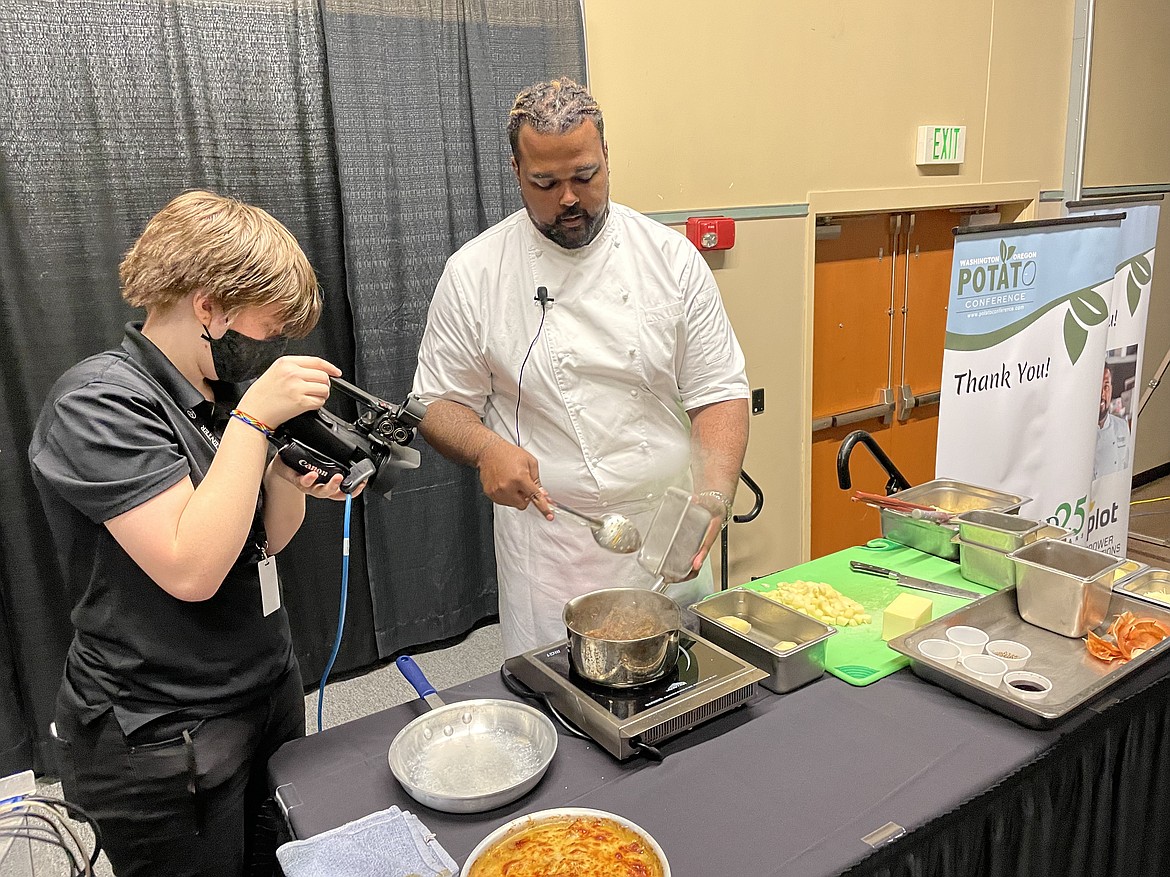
x=790, y=785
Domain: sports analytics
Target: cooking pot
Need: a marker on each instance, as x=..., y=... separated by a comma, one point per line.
x=622, y=637
x=470, y=756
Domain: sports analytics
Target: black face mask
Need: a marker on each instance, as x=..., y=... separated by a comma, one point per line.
x=238, y=358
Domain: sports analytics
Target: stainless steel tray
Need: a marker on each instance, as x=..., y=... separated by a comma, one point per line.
x=1128, y=570
x=1140, y=583
x=991, y=566
x=1077, y=677
x=949, y=495
x=985, y=566
x=958, y=496
x=998, y=530
x=771, y=622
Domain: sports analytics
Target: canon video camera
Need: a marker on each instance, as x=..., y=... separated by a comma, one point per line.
x=373, y=448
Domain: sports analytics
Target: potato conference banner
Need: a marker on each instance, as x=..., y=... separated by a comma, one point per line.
x=1027, y=329
x=1121, y=387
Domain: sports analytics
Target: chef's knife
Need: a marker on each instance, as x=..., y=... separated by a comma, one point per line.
x=911, y=582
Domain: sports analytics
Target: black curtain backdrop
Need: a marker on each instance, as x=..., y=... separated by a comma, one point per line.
x=421, y=92
x=108, y=110
x=389, y=113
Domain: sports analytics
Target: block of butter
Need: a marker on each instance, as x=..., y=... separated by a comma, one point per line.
x=908, y=612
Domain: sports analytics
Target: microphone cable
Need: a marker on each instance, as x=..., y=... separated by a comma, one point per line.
x=341, y=610
x=543, y=297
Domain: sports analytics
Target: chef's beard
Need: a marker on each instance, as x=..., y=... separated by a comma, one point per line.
x=572, y=238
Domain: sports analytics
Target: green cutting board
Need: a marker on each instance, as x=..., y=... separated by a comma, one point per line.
x=859, y=655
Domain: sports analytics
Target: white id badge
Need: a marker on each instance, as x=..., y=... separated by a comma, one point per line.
x=269, y=585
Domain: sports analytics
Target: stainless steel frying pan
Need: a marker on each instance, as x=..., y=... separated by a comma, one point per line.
x=470, y=756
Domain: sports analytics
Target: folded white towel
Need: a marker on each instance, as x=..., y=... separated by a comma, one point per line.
x=389, y=843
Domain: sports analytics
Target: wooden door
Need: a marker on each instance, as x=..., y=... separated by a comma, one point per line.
x=920, y=330
x=880, y=298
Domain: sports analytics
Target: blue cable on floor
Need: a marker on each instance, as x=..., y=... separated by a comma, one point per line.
x=341, y=611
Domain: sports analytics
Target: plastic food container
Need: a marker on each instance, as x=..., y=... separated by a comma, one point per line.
x=1062, y=587
x=941, y=651
x=986, y=668
x=771, y=623
x=951, y=496
x=1012, y=653
x=1026, y=685
x=970, y=640
x=675, y=536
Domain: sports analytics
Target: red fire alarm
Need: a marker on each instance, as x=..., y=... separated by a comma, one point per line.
x=711, y=232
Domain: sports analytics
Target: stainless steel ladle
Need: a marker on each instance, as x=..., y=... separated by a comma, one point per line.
x=615, y=533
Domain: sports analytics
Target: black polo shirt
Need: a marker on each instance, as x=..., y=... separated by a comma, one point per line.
x=118, y=429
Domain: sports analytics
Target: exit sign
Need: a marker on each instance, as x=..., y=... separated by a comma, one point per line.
x=941, y=144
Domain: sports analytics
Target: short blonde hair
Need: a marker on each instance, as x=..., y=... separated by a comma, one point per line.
x=238, y=254
x=557, y=106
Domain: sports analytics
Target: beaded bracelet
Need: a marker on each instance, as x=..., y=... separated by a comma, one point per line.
x=258, y=425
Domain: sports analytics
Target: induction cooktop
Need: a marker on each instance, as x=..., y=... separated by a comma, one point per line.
x=706, y=682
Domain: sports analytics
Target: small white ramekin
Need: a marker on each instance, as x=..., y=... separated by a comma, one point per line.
x=1012, y=653
x=986, y=668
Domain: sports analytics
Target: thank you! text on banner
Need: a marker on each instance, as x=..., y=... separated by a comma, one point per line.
x=1027, y=323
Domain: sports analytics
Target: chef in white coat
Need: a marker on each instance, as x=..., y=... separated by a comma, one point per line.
x=1111, y=453
x=579, y=352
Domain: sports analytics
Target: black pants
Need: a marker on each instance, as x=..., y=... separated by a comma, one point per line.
x=179, y=796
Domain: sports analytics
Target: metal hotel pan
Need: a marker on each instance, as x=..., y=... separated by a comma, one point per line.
x=951, y=496
x=470, y=756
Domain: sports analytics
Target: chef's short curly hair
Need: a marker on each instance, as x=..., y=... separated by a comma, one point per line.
x=240, y=255
x=554, y=107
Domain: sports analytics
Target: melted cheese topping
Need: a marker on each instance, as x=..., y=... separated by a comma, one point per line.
x=583, y=846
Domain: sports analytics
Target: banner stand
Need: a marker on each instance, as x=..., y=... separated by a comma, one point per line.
x=1028, y=320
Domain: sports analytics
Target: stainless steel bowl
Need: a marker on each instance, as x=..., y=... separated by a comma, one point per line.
x=622, y=637
x=473, y=755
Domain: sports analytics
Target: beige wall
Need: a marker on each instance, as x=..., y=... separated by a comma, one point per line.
x=769, y=100
x=1128, y=138
x=1127, y=143
x=776, y=102
x=1153, y=433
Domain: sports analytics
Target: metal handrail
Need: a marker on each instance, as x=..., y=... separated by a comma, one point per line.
x=751, y=515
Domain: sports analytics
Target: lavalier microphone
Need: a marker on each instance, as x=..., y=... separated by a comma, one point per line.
x=543, y=297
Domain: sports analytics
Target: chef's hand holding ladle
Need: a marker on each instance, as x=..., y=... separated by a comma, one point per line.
x=615, y=533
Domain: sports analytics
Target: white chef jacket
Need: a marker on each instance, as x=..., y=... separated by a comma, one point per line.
x=1112, y=451
x=633, y=335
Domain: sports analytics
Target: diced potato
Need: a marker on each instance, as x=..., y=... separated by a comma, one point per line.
x=820, y=601
x=785, y=645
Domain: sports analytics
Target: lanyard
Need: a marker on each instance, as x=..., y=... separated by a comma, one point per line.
x=205, y=429
x=259, y=545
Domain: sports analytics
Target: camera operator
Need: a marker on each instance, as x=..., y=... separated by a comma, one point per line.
x=167, y=506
